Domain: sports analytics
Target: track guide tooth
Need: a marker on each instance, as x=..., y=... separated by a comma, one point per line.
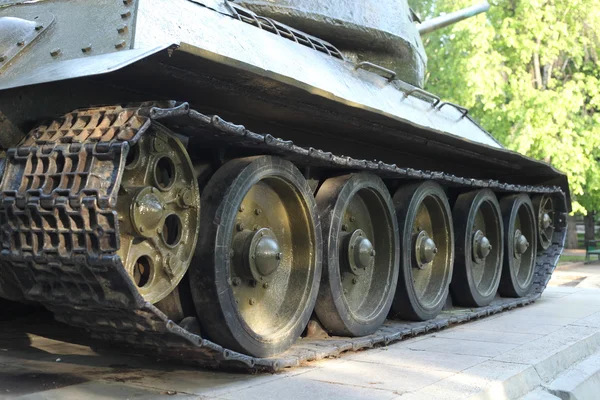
x=59, y=234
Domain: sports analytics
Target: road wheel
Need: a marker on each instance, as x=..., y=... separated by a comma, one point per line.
x=361, y=249
x=544, y=209
x=256, y=272
x=427, y=248
x=479, y=248
x=519, y=245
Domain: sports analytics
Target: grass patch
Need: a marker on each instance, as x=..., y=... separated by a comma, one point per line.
x=571, y=259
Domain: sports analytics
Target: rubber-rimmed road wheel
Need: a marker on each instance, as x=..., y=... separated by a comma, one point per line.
x=479, y=231
x=544, y=209
x=256, y=272
x=520, y=245
x=427, y=251
x=360, y=256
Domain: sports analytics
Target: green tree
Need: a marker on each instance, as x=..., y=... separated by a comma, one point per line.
x=529, y=71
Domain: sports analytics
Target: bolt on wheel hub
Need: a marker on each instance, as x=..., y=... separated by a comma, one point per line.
x=481, y=246
x=425, y=250
x=361, y=253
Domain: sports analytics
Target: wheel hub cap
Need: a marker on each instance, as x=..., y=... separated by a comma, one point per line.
x=425, y=250
x=546, y=221
x=265, y=254
x=521, y=243
x=361, y=254
x=481, y=246
x=147, y=212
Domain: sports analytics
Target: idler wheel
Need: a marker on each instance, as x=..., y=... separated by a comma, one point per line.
x=361, y=254
x=520, y=245
x=479, y=248
x=544, y=208
x=256, y=272
x=427, y=248
x=159, y=213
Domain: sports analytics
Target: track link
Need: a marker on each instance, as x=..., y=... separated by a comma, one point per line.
x=59, y=232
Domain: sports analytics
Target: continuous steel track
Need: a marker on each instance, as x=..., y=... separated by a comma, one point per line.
x=59, y=232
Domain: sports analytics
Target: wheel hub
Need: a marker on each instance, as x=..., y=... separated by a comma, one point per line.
x=481, y=246
x=546, y=221
x=264, y=254
x=425, y=250
x=147, y=212
x=521, y=243
x=361, y=253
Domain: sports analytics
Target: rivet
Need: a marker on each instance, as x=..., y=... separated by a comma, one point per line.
x=127, y=2
x=252, y=301
x=344, y=227
x=253, y=283
x=21, y=43
x=87, y=48
x=236, y=281
x=120, y=45
x=126, y=15
x=122, y=29
x=240, y=227
x=265, y=285
x=39, y=27
x=354, y=281
x=55, y=52
x=352, y=218
x=241, y=209
x=257, y=211
x=2, y=58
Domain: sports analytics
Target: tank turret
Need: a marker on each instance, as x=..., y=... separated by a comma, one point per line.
x=385, y=32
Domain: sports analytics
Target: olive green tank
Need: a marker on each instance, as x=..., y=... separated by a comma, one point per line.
x=255, y=184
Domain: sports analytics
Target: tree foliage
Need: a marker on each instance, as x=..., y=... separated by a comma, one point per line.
x=530, y=72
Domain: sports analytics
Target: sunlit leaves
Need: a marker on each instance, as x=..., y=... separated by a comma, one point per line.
x=529, y=70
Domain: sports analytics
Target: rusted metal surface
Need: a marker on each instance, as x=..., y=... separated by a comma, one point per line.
x=60, y=237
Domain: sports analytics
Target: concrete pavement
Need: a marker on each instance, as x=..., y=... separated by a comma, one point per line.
x=550, y=348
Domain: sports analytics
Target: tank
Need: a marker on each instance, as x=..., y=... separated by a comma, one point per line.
x=255, y=184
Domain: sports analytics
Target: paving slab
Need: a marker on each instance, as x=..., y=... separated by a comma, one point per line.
x=539, y=394
x=419, y=359
x=506, y=356
x=581, y=381
x=105, y=391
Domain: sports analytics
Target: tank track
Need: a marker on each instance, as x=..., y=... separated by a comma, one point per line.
x=59, y=232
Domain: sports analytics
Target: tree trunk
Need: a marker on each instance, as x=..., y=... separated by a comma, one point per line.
x=571, y=233
x=589, y=222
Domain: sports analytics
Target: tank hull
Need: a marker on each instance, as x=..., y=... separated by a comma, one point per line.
x=297, y=98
